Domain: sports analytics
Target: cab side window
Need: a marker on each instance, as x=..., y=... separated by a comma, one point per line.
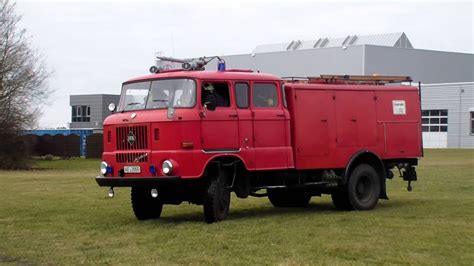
x=242, y=95
x=215, y=91
x=264, y=95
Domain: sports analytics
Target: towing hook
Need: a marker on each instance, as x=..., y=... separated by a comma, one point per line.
x=154, y=193
x=111, y=192
x=409, y=188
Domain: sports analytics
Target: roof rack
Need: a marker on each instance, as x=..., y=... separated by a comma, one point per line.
x=295, y=78
x=376, y=79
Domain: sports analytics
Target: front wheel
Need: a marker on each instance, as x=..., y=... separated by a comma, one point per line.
x=216, y=199
x=144, y=205
x=363, y=187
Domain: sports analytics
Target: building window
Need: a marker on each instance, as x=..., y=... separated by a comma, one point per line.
x=472, y=123
x=434, y=120
x=81, y=113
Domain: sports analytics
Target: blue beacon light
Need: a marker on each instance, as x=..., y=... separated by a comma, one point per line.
x=221, y=66
x=152, y=169
x=109, y=169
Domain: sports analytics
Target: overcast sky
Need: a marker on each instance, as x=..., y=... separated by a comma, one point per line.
x=93, y=47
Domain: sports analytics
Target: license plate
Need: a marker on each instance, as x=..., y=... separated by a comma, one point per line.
x=132, y=169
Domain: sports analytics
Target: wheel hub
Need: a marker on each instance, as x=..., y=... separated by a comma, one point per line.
x=363, y=189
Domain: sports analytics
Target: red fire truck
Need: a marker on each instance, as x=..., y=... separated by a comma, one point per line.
x=196, y=136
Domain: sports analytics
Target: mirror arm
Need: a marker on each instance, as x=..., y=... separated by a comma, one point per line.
x=203, y=111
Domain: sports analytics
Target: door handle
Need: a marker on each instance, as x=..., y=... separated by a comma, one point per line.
x=233, y=115
x=280, y=115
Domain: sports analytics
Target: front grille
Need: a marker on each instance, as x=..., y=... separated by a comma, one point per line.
x=131, y=157
x=132, y=138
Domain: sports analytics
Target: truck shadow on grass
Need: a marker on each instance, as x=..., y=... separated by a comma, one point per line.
x=265, y=211
x=251, y=212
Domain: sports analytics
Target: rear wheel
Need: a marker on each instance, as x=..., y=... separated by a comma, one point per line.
x=285, y=198
x=144, y=205
x=216, y=199
x=363, y=187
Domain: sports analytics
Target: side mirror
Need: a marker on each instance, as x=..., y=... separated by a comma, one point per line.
x=211, y=105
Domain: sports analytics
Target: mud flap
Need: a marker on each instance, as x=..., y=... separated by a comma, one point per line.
x=409, y=175
x=383, y=190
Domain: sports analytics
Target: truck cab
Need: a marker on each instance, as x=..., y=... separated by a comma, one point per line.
x=171, y=127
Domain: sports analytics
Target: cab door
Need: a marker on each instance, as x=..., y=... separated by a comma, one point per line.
x=219, y=127
x=244, y=112
x=271, y=151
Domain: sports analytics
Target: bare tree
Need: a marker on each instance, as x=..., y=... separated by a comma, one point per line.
x=23, y=87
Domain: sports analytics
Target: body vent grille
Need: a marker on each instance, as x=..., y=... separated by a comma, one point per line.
x=131, y=157
x=132, y=138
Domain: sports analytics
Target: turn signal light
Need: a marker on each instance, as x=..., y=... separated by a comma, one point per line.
x=187, y=145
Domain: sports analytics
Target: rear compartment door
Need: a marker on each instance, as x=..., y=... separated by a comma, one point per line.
x=312, y=114
x=355, y=119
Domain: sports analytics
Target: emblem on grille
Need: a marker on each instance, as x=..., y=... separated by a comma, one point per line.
x=131, y=138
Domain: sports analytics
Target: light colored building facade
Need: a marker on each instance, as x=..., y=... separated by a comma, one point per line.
x=89, y=111
x=382, y=54
x=448, y=115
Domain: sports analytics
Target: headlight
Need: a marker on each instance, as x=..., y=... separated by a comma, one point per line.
x=167, y=167
x=103, y=168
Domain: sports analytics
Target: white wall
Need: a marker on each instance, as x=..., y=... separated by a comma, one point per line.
x=435, y=140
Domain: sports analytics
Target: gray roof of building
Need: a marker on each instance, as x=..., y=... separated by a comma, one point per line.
x=398, y=39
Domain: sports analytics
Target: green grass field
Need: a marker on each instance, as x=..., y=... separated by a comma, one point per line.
x=60, y=216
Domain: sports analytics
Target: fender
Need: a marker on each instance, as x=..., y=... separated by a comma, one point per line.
x=223, y=155
x=382, y=173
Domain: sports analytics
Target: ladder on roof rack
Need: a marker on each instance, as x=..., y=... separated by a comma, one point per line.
x=295, y=78
x=364, y=79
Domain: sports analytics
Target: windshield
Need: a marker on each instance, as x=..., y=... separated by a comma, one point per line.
x=158, y=94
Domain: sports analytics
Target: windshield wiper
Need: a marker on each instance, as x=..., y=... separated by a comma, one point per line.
x=160, y=100
x=130, y=104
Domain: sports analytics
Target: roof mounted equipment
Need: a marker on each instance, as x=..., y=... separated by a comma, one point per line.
x=376, y=79
x=188, y=64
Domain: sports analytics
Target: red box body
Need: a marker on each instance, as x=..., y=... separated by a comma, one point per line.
x=330, y=123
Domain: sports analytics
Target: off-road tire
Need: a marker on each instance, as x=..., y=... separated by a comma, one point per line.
x=216, y=201
x=288, y=198
x=144, y=205
x=340, y=199
x=363, y=187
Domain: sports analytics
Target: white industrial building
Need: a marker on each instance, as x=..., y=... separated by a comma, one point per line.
x=447, y=77
x=448, y=115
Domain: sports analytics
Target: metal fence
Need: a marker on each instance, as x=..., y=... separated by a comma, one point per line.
x=64, y=146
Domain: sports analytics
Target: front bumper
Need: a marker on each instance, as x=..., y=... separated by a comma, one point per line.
x=151, y=181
